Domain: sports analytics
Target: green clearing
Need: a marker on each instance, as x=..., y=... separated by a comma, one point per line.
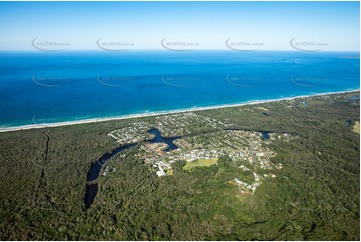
x=201, y=163
x=170, y=172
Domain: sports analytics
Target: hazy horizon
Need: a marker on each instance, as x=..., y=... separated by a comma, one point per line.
x=179, y=26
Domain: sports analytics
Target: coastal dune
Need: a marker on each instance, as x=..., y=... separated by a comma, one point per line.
x=94, y=120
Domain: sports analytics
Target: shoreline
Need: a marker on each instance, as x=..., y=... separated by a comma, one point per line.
x=157, y=113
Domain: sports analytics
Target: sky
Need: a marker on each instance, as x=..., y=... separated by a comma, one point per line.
x=334, y=26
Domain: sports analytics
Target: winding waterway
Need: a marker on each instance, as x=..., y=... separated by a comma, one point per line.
x=92, y=189
x=95, y=169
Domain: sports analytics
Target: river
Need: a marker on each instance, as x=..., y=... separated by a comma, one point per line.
x=92, y=189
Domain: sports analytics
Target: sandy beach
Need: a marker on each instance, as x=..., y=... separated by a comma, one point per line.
x=148, y=114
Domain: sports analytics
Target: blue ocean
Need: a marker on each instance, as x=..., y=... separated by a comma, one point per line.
x=41, y=87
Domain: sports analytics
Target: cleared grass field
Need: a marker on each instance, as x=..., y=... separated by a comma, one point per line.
x=200, y=162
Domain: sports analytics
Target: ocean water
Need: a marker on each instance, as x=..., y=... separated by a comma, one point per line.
x=41, y=87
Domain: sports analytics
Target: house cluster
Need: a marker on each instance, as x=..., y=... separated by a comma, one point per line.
x=239, y=145
x=247, y=188
x=193, y=155
x=107, y=170
x=183, y=123
x=162, y=167
x=152, y=152
x=134, y=133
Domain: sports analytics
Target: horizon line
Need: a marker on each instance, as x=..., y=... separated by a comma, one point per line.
x=160, y=49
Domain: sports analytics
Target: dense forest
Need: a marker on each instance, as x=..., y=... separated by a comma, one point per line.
x=315, y=196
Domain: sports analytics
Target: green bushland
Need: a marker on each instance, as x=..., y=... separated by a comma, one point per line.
x=315, y=196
